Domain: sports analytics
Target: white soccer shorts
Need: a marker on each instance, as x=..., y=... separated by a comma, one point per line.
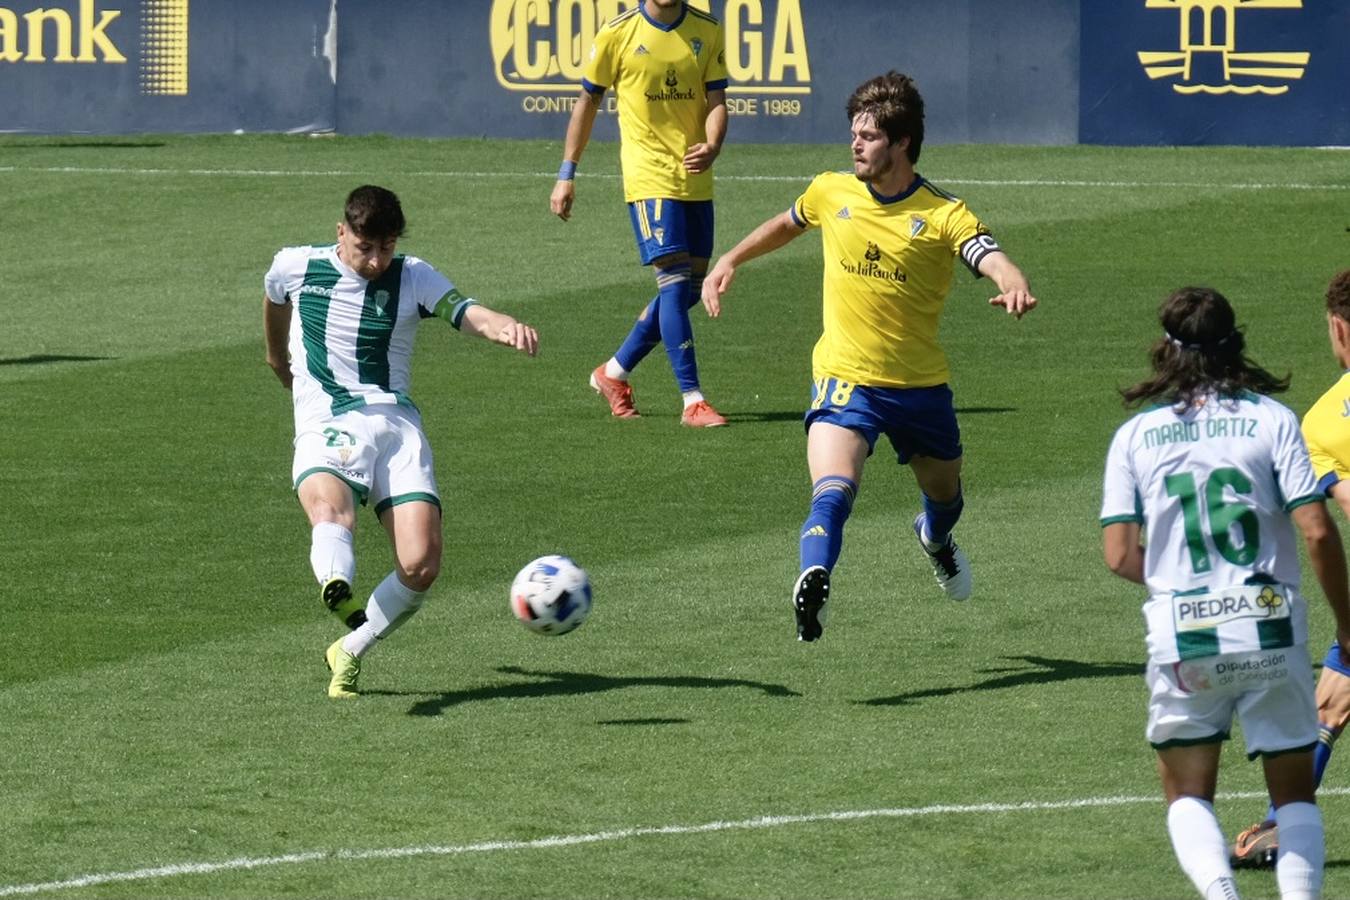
x=379, y=450
x=1271, y=691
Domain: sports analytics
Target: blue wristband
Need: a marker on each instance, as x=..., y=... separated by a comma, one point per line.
x=567, y=171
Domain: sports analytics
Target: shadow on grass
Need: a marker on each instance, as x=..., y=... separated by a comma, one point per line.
x=983, y=410
x=1046, y=671
x=734, y=417
x=554, y=684
x=82, y=145
x=38, y=359
x=652, y=721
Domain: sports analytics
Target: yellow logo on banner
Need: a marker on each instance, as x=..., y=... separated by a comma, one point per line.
x=164, y=47
x=92, y=42
x=543, y=45
x=1209, y=31
x=55, y=35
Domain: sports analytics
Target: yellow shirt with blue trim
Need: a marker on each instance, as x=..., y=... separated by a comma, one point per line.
x=888, y=268
x=1326, y=429
x=661, y=75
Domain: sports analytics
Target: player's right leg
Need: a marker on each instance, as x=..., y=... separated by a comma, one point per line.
x=1302, y=849
x=330, y=473
x=1279, y=720
x=835, y=455
x=1258, y=847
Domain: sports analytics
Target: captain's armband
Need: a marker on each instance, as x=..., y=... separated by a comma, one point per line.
x=452, y=307
x=974, y=250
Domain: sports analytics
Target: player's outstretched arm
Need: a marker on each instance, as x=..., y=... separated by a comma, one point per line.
x=276, y=336
x=1124, y=554
x=1014, y=292
x=500, y=328
x=769, y=236
x=1325, y=553
x=578, y=136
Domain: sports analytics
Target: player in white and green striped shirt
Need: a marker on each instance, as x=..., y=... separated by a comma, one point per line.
x=1213, y=475
x=339, y=321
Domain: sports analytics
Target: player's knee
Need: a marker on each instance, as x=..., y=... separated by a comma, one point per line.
x=320, y=510
x=670, y=261
x=420, y=573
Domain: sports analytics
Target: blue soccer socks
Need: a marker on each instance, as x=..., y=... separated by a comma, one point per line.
x=941, y=517
x=823, y=532
x=644, y=336
x=666, y=319
x=674, y=291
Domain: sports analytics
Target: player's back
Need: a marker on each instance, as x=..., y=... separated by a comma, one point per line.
x=1214, y=483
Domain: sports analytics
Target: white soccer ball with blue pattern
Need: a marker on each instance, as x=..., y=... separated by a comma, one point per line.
x=551, y=595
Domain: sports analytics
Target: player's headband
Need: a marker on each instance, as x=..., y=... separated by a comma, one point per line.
x=1206, y=345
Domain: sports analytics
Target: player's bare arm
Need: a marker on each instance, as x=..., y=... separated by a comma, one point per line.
x=769, y=236
x=1325, y=553
x=578, y=136
x=501, y=329
x=1124, y=554
x=276, y=334
x=699, y=157
x=1014, y=291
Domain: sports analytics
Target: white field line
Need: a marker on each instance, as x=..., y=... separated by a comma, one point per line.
x=796, y=179
x=595, y=837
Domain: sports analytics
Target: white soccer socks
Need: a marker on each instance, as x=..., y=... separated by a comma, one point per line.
x=1298, y=868
x=1198, y=842
x=391, y=604
x=331, y=554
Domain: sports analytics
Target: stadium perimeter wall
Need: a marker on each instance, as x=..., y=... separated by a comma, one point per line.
x=1030, y=71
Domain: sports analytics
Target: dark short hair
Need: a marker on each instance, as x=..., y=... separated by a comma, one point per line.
x=894, y=104
x=1201, y=352
x=1338, y=296
x=374, y=213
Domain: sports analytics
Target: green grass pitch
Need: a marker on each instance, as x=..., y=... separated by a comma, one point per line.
x=163, y=725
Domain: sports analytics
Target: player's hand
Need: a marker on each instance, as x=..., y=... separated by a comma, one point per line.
x=699, y=157
x=1017, y=302
x=564, y=194
x=716, y=283
x=282, y=369
x=519, y=336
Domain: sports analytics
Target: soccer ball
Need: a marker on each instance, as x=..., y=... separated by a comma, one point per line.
x=551, y=595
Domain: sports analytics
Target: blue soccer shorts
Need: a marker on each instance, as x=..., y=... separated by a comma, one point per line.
x=663, y=227
x=917, y=421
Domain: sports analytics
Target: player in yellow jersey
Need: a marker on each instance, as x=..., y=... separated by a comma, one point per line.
x=666, y=63
x=890, y=240
x=1327, y=434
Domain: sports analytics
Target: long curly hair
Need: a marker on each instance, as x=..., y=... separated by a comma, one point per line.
x=1200, y=353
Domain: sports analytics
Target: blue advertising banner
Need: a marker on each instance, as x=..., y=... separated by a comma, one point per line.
x=1030, y=72
x=119, y=66
x=512, y=68
x=1215, y=72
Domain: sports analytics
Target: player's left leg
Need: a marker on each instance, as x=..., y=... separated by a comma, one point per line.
x=922, y=428
x=1189, y=775
x=940, y=483
x=405, y=498
x=414, y=529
